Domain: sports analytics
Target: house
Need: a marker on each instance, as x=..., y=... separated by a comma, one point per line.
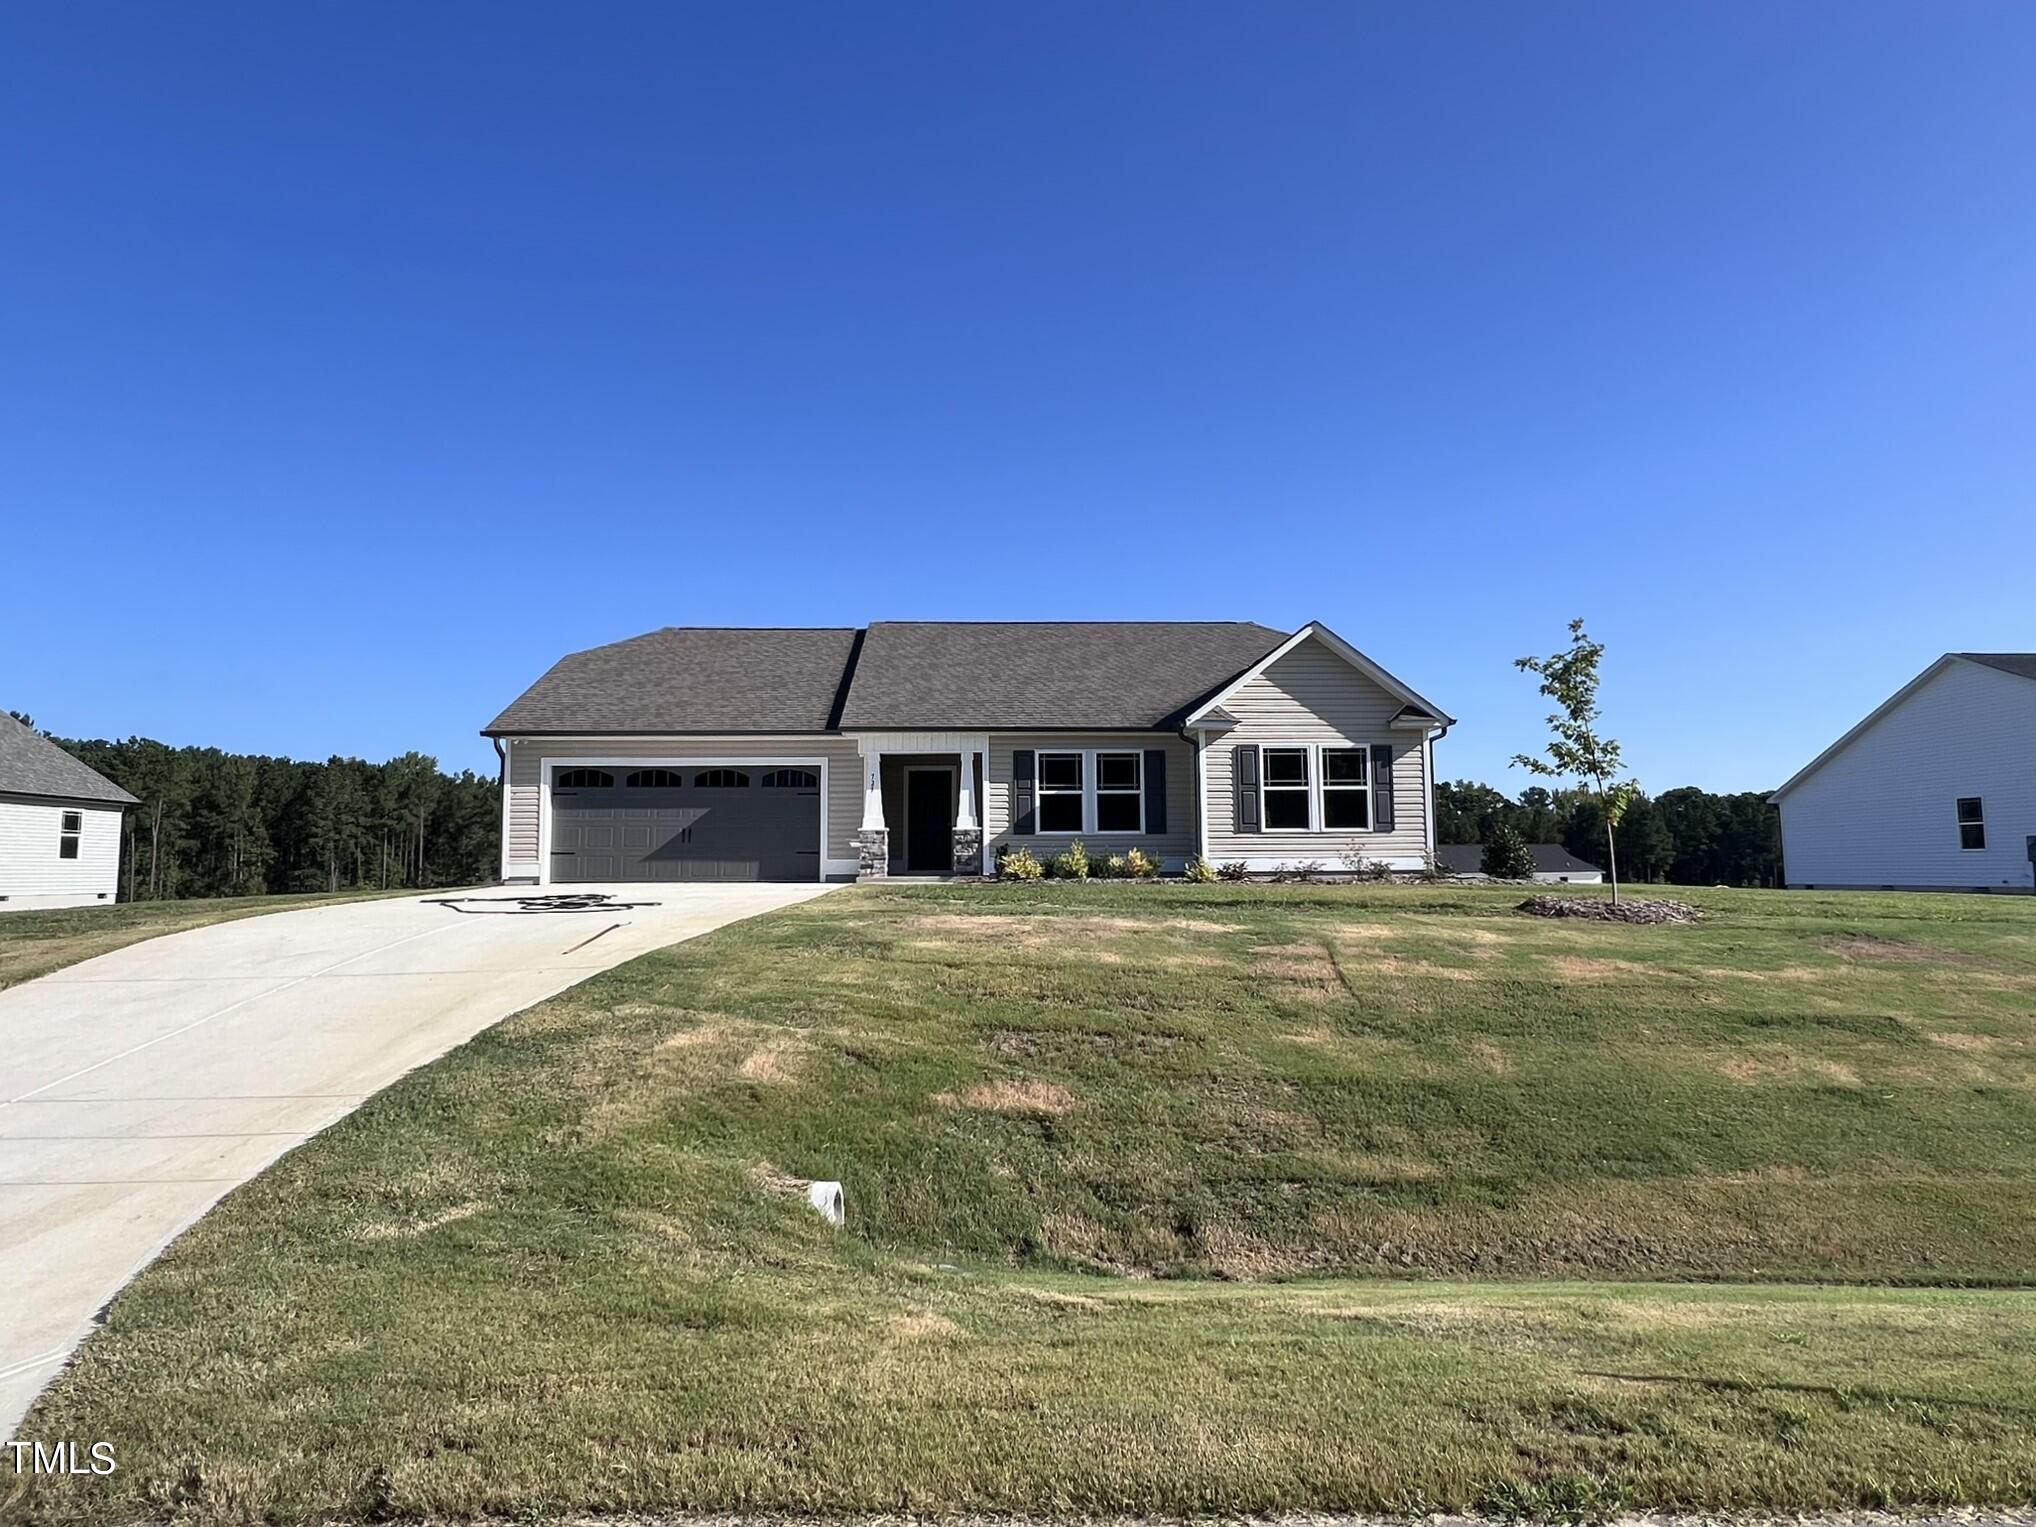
x=1936, y=790
x=59, y=825
x=1553, y=864
x=926, y=748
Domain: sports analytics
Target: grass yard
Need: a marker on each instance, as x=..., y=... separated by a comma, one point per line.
x=35, y=943
x=1163, y=1199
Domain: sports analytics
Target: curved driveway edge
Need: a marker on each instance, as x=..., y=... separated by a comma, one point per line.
x=139, y=1087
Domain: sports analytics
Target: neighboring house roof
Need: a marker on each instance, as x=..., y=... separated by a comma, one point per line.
x=1082, y=675
x=1549, y=859
x=692, y=679
x=31, y=764
x=2021, y=664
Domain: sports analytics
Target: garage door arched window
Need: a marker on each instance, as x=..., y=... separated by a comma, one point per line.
x=584, y=779
x=721, y=779
x=791, y=779
x=656, y=779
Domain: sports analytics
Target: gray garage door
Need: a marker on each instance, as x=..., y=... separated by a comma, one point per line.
x=732, y=822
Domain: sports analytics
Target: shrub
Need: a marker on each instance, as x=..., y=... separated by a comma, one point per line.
x=1113, y=868
x=1361, y=868
x=1072, y=863
x=1303, y=873
x=1200, y=870
x=1505, y=856
x=1018, y=864
x=1234, y=869
x=1433, y=870
x=1141, y=864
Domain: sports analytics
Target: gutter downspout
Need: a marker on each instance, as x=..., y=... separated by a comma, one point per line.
x=502, y=784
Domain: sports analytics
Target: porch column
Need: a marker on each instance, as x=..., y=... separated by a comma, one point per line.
x=968, y=830
x=873, y=841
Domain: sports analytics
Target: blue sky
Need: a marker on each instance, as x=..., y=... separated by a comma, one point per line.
x=358, y=360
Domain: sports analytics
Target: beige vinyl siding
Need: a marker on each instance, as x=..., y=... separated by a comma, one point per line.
x=844, y=778
x=1171, y=847
x=1313, y=696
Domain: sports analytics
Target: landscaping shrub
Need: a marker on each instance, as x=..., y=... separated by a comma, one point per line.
x=1505, y=856
x=1018, y=864
x=1361, y=868
x=1200, y=870
x=1114, y=867
x=1141, y=864
x=1072, y=863
x=1234, y=869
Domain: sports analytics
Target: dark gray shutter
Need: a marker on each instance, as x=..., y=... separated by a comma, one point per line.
x=1244, y=785
x=1382, y=786
x=1155, y=790
x=1023, y=773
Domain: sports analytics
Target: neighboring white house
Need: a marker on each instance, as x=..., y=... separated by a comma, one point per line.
x=1936, y=790
x=59, y=825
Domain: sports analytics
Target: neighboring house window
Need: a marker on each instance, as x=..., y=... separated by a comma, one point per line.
x=722, y=779
x=584, y=779
x=791, y=779
x=1060, y=792
x=1972, y=827
x=655, y=779
x=1120, y=793
x=1285, y=790
x=72, y=826
x=1346, y=790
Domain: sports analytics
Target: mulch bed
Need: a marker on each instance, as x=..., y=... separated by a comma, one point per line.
x=1605, y=910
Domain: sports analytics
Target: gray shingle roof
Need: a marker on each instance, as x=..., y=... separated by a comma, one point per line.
x=33, y=765
x=692, y=679
x=1079, y=675
x=1549, y=859
x=2022, y=664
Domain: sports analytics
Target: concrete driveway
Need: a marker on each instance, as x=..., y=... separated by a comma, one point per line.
x=136, y=1089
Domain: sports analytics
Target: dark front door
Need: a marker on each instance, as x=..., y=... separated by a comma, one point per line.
x=929, y=822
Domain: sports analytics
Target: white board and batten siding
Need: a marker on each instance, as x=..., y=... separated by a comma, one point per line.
x=1172, y=848
x=524, y=853
x=1312, y=696
x=1882, y=811
x=33, y=871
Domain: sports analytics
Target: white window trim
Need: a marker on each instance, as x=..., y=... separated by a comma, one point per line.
x=1318, y=782
x=1136, y=792
x=1040, y=792
x=1091, y=783
x=1980, y=822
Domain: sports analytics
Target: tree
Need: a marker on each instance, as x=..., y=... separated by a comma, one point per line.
x=1505, y=856
x=1575, y=750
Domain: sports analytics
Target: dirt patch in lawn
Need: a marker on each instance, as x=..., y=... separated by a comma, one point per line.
x=1015, y=1097
x=1773, y=1067
x=1868, y=946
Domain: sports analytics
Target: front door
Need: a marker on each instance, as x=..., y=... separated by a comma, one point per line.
x=929, y=822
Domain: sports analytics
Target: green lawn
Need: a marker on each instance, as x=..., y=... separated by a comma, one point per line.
x=35, y=943
x=1127, y=1170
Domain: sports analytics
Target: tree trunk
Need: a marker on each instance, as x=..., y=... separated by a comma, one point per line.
x=1612, y=860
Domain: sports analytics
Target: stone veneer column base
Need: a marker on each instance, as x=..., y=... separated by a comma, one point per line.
x=872, y=853
x=968, y=850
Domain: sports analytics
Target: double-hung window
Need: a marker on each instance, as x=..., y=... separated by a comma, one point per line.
x=1120, y=794
x=1060, y=792
x=1346, y=790
x=1286, y=790
x=70, y=830
x=1972, y=822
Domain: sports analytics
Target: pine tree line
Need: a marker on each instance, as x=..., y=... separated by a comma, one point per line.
x=1680, y=837
x=212, y=823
